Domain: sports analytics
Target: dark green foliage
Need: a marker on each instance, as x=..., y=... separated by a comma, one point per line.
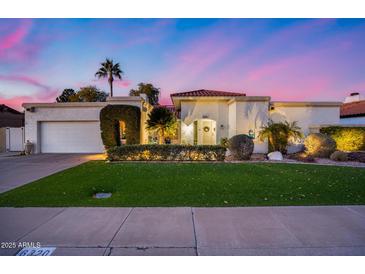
x=241, y=146
x=193, y=184
x=68, y=95
x=109, y=124
x=163, y=122
x=347, y=138
x=166, y=153
x=149, y=90
x=91, y=94
x=109, y=70
x=224, y=142
x=85, y=94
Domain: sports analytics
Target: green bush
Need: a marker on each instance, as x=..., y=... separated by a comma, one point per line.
x=166, y=153
x=279, y=134
x=224, y=142
x=347, y=138
x=339, y=156
x=241, y=146
x=109, y=124
x=319, y=145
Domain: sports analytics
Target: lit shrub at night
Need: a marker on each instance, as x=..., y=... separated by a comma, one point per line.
x=319, y=145
x=347, y=138
x=166, y=153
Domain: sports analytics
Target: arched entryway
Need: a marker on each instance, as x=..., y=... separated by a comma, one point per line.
x=120, y=124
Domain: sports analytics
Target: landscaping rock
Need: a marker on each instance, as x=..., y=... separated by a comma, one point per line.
x=241, y=147
x=275, y=156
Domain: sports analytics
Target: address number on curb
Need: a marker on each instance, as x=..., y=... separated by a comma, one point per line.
x=33, y=251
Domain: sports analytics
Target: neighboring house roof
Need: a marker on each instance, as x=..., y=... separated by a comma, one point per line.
x=353, y=109
x=206, y=93
x=10, y=117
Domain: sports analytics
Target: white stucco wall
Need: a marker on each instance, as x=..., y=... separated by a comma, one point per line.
x=71, y=112
x=232, y=118
x=214, y=110
x=40, y=114
x=251, y=115
x=353, y=121
x=306, y=115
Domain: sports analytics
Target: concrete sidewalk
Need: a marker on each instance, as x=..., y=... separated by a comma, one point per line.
x=327, y=230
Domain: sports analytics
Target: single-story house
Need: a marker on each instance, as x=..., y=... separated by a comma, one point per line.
x=205, y=117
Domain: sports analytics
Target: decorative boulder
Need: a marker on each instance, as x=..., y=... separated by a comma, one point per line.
x=275, y=156
x=241, y=147
x=319, y=145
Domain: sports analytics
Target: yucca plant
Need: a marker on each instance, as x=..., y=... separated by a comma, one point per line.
x=279, y=134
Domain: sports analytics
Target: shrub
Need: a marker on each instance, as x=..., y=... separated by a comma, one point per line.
x=162, y=121
x=109, y=124
x=241, y=147
x=319, y=145
x=347, y=138
x=278, y=135
x=302, y=157
x=339, y=156
x=357, y=156
x=166, y=153
x=224, y=142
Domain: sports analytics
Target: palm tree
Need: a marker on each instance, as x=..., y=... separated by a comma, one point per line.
x=162, y=121
x=109, y=70
x=279, y=134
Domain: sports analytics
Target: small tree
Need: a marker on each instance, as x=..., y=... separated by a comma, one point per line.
x=91, y=94
x=163, y=122
x=279, y=134
x=67, y=95
x=151, y=92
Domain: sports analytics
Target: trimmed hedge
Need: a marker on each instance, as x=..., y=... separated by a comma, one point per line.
x=166, y=153
x=347, y=138
x=109, y=124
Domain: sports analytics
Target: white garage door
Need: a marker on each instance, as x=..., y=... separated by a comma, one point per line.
x=71, y=137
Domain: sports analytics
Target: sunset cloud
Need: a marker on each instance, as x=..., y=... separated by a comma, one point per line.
x=287, y=59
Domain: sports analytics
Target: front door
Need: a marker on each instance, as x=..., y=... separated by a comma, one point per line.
x=208, y=132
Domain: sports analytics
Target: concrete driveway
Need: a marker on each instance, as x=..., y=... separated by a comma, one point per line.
x=310, y=230
x=16, y=171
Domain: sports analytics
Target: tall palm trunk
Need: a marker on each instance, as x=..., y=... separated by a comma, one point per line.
x=162, y=136
x=110, y=80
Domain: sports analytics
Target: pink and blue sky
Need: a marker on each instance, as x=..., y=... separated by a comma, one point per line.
x=287, y=59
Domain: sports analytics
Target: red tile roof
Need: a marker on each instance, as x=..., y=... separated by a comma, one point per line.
x=353, y=109
x=206, y=93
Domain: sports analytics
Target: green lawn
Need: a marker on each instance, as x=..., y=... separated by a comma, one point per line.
x=196, y=184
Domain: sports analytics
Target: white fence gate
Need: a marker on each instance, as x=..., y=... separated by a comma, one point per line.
x=15, y=139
